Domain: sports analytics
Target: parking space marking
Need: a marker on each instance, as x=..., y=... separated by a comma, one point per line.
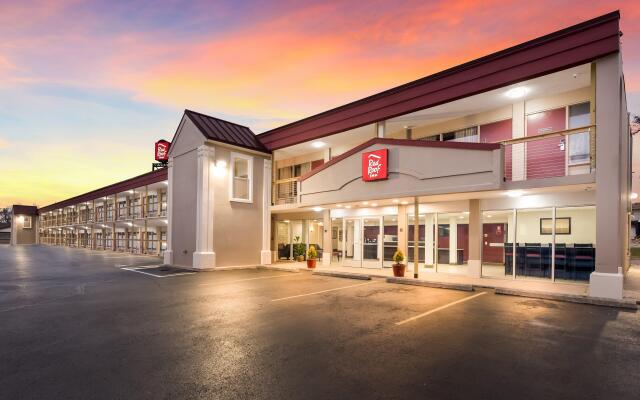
x=247, y=279
x=453, y=303
x=137, y=269
x=323, y=291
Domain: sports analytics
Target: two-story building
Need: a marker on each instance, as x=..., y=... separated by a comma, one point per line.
x=512, y=166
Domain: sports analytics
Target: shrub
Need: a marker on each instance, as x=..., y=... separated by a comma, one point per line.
x=312, y=254
x=398, y=256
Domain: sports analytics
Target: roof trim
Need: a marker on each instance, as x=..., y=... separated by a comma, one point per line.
x=118, y=187
x=402, y=142
x=259, y=146
x=559, y=50
x=18, y=209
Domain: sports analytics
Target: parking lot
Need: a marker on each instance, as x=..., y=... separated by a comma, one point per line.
x=82, y=324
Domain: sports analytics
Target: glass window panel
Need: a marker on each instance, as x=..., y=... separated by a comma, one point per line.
x=453, y=242
x=371, y=237
x=336, y=239
x=390, y=238
x=315, y=235
x=497, y=243
x=575, y=255
x=533, y=243
x=241, y=179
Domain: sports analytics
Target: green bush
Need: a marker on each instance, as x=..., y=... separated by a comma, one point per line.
x=312, y=254
x=398, y=256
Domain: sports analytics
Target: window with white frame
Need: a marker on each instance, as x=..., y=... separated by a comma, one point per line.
x=241, y=187
x=27, y=222
x=579, y=116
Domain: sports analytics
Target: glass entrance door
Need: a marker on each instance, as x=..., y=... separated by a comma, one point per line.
x=372, y=242
x=363, y=242
x=352, y=242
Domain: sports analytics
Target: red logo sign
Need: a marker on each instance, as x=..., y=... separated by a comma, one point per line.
x=374, y=165
x=162, y=150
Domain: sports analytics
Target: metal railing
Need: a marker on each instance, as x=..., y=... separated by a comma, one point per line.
x=285, y=191
x=550, y=155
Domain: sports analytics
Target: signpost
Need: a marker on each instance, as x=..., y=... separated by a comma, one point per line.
x=161, y=154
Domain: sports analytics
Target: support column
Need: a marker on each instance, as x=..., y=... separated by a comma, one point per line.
x=265, y=253
x=381, y=129
x=475, y=239
x=612, y=194
x=168, y=253
x=403, y=244
x=518, y=164
x=416, y=237
x=453, y=240
x=327, y=245
x=204, y=256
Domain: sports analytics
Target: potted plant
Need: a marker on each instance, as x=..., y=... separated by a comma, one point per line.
x=398, y=266
x=298, y=249
x=312, y=256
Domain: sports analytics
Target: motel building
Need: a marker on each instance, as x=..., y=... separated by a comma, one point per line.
x=514, y=166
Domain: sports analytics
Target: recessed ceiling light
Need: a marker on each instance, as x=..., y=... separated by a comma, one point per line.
x=633, y=196
x=317, y=209
x=404, y=202
x=374, y=204
x=318, y=144
x=338, y=205
x=516, y=92
x=347, y=206
x=395, y=200
x=514, y=193
x=364, y=203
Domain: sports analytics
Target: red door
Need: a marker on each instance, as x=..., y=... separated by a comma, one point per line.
x=546, y=157
x=493, y=234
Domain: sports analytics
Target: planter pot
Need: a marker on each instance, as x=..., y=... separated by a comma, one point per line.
x=398, y=270
x=300, y=258
x=311, y=263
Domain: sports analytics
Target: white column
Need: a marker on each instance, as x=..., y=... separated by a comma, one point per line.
x=611, y=177
x=265, y=253
x=204, y=256
x=327, y=244
x=14, y=230
x=475, y=239
x=380, y=129
x=168, y=253
x=453, y=240
x=518, y=164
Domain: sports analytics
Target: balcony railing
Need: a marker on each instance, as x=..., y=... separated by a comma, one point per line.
x=550, y=155
x=285, y=191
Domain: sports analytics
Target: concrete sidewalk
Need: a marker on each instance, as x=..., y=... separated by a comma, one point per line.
x=631, y=284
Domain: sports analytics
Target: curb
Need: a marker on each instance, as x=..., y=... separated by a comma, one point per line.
x=347, y=275
x=594, y=301
x=439, y=285
x=268, y=267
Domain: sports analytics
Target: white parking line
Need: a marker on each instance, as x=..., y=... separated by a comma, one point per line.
x=323, y=291
x=136, y=269
x=248, y=279
x=440, y=308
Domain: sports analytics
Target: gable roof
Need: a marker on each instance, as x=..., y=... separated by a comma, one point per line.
x=566, y=48
x=227, y=132
x=24, y=210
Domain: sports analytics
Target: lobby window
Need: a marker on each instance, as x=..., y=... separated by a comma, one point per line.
x=241, y=178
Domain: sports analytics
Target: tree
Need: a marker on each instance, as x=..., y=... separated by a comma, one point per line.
x=5, y=215
x=635, y=124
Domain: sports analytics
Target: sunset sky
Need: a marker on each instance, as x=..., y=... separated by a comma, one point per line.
x=86, y=87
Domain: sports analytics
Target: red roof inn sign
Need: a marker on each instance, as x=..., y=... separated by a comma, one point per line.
x=375, y=165
x=161, y=154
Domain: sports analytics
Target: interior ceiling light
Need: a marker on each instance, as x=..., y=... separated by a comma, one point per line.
x=516, y=92
x=633, y=196
x=317, y=209
x=514, y=193
x=318, y=144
